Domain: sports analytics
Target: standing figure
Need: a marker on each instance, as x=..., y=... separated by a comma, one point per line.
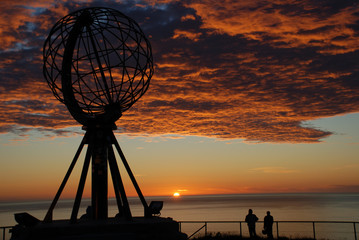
x=268, y=225
x=251, y=220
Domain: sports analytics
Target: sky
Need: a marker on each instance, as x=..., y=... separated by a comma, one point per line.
x=247, y=97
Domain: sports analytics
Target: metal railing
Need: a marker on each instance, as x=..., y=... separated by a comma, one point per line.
x=3, y=229
x=6, y=229
x=313, y=223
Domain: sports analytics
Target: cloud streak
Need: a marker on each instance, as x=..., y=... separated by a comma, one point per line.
x=273, y=170
x=252, y=70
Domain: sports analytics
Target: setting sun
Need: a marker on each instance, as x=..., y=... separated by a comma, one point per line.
x=176, y=194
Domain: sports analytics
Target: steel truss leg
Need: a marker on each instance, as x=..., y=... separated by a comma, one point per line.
x=128, y=169
x=82, y=182
x=121, y=198
x=48, y=217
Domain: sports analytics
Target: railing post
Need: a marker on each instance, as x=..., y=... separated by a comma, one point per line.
x=314, y=230
x=355, y=231
x=240, y=229
x=205, y=229
x=3, y=233
x=277, y=229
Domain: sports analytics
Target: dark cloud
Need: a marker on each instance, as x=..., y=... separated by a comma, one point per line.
x=249, y=70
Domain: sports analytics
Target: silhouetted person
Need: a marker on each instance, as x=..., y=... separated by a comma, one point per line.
x=88, y=214
x=251, y=220
x=268, y=225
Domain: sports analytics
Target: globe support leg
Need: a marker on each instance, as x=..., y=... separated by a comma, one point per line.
x=121, y=198
x=99, y=187
x=48, y=217
x=100, y=154
x=134, y=182
x=81, y=186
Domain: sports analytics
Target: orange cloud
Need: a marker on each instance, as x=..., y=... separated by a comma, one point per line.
x=273, y=170
x=186, y=34
x=248, y=70
x=16, y=19
x=284, y=23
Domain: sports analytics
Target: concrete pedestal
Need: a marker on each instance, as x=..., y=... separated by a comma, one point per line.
x=139, y=228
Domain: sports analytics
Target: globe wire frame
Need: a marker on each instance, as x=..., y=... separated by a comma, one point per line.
x=112, y=64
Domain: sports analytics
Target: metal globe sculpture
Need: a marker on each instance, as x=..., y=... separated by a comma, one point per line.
x=98, y=62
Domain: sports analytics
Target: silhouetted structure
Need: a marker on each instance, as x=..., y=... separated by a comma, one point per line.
x=98, y=62
x=251, y=220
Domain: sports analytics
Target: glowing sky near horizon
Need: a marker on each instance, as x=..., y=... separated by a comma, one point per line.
x=248, y=96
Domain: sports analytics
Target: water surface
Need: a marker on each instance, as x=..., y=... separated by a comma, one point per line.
x=284, y=207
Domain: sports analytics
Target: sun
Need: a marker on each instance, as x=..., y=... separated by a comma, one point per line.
x=176, y=194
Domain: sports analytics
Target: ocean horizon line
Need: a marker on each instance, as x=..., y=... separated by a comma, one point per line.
x=16, y=200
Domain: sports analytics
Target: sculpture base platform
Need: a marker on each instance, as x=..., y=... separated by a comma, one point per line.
x=139, y=228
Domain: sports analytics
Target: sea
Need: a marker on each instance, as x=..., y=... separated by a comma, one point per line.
x=225, y=214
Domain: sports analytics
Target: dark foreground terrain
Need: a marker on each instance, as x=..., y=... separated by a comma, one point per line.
x=219, y=236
